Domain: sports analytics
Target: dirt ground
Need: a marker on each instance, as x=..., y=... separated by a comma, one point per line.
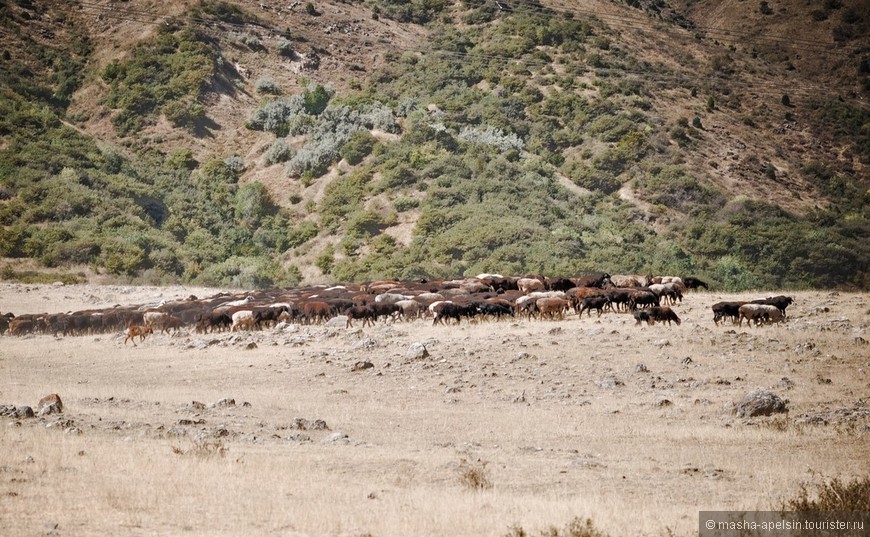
x=516, y=424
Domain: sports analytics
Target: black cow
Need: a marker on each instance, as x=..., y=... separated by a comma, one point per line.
x=366, y=313
x=642, y=316
x=726, y=309
x=598, y=302
x=694, y=283
x=593, y=280
x=781, y=302
x=663, y=314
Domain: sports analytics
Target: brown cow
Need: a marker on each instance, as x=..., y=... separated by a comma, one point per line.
x=137, y=330
x=552, y=308
x=316, y=311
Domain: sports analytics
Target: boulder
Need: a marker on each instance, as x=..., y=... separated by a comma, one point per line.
x=760, y=403
x=50, y=404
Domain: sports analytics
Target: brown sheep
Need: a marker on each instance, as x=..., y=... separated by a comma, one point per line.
x=137, y=330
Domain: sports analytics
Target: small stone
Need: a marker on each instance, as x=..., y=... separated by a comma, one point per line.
x=417, y=351
x=251, y=346
x=362, y=366
x=337, y=437
x=24, y=411
x=226, y=402
x=641, y=368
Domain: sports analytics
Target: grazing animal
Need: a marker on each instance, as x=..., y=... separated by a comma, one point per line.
x=137, y=330
x=642, y=298
x=595, y=302
x=754, y=313
x=316, y=311
x=600, y=280
x=243, y=319
x=552, y=308
x=726, y=309
x=642, y=316
x=694, y=283
x=663, y=314
x=527, y=285
x=366, y=313
x=781, y=302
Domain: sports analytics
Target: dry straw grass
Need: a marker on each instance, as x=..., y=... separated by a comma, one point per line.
x=567, y=423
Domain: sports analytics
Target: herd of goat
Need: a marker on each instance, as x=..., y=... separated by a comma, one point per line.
x=487, y=296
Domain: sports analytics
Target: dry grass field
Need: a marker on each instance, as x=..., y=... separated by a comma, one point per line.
x=509, y=425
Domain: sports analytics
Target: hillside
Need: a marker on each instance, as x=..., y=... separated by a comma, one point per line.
x=259, y=144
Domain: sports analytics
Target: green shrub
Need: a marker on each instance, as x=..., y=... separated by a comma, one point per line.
x=169, y=72
x=357, y=147
x=278, y=152
x=122, y=257
x=267, y=85
x=405, y=204
x=326, y=260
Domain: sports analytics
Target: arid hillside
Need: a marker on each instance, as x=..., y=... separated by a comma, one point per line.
x=255, y=144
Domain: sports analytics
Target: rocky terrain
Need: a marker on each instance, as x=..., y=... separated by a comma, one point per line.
x=414, y=429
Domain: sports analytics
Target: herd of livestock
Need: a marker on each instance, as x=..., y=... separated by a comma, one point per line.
x=487, y=296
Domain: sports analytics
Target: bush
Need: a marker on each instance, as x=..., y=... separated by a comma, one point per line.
x=278, y=152
x=285, y=47
x=326, y=260
x=833, y=496
x=576, y=528
x=169, y=73
x=122, y=257
x=357, y=147
x=267, y=85
x=405, y=204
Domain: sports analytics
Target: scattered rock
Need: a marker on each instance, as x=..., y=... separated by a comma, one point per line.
x=664, y=402
x=337, y=437
x=23, y=411
x=303, y=424
x=196, y=406
x=760, y=403
x=417, y=351
x=226, y=402
x=786, y=383
x=610, y=382
x=251, y=346
x=339, y=321
x=200, y=343
x=641, y=368
x=362, y=366
x=822, y=380
x=184, y=422
x=50, y=404
x=365, y=343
